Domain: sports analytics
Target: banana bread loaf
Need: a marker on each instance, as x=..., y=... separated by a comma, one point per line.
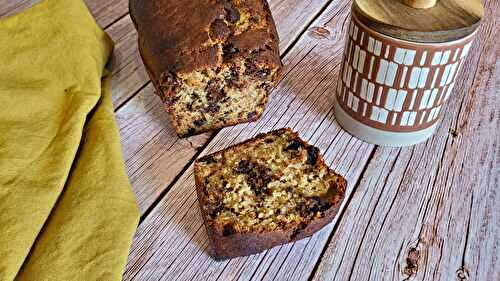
x=212, y=62
x=267, y=191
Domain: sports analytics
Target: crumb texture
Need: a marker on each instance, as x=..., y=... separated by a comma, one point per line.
x=274, y=182
x=216, y=68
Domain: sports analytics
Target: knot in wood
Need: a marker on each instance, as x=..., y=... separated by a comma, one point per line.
x=412, y=262
x=319, y=32
x=462, y=274
x=454, y=133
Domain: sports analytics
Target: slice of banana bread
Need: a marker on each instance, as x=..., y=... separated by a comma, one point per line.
x=212, y=62
x=267, y=191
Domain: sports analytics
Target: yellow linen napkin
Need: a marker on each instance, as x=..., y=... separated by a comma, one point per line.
x=66, y=208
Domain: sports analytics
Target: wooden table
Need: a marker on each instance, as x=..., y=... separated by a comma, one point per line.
x=428, y=212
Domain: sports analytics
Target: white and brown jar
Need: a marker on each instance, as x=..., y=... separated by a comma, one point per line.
x=400, y=64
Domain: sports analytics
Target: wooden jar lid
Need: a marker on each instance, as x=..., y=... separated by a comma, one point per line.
x=430, y=21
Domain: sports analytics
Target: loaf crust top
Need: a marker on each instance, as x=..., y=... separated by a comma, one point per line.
x=180, y=36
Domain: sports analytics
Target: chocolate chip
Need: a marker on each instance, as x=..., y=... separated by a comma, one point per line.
x=228, y=230
x=255, y=19
x=209, y=159
x=258, y=179
x=312, y=155
x=257, y=176
x=229, y=49
x=244, y=167
x=235, y=69
x=190, y=132
x=171, y=100
x=199, y=122
x=251, y=115
x=234, y=79
x=212, y=108
x=302, y=209
x=189, y=106
x=262, y=74
x=294, y=145
x=219, y=30
x=216, y=210
x=268, y=87
x=251, y=68
x=214, y=92
x=268, y=191
x=318, y=204
x=233, y=15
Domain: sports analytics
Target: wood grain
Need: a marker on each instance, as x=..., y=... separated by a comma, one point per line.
x=447, y=21
x=129, y=75
x=154, y=154
x=171, y=243
x=9, y=7
x=431, y=212
x=420, y=4
x=105, y=12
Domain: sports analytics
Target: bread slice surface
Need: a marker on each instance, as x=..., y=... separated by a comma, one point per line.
x=270, y=190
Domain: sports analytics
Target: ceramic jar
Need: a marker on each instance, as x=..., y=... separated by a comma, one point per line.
x=391, y=92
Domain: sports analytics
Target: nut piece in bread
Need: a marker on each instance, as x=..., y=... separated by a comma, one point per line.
x=212, y=62
x=267, y=191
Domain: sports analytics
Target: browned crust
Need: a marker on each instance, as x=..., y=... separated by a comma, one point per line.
x=244, y=244
x=166, y=37
x=172, y=37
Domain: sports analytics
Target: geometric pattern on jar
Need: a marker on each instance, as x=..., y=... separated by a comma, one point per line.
x=394, y=85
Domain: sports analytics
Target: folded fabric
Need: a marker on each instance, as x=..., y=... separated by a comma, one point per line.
x=66, y=208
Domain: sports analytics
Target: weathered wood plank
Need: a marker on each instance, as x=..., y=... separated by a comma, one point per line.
x=171, y=242
x=431, y=212
x=129, y=75
x=9, y=7
x=105, y=12
x=154, y=154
